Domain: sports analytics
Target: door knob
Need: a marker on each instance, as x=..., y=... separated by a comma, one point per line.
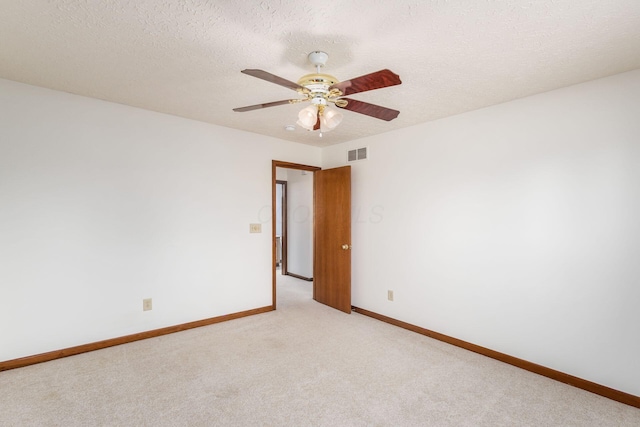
x=346, y=247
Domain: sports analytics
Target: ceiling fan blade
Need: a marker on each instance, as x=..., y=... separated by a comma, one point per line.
x=382, y=113
x=274, y=79
x=377, y=80
x=265, y=105
x=317, y=125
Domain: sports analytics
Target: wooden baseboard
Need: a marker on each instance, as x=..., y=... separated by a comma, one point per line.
x=297, y=276
x=592, y=387
x=57, y=354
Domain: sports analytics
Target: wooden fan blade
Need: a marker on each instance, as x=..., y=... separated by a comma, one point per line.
x=382, y=113
x=268, y=104
x=377, y=80
x=317, y=125
x=274, y=79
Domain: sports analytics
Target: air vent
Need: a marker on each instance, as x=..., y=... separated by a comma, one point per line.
x=357, y=154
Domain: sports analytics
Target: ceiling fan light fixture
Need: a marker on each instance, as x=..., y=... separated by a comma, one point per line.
x=322, y=89
x=307, y=117
x=302, y=125
x=330, y=119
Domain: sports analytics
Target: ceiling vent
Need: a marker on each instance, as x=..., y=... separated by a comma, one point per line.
x=358, y=154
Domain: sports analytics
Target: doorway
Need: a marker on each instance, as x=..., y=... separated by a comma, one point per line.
x=292, y=221
x=296, y=222
x=281, y=226
x=330, y=242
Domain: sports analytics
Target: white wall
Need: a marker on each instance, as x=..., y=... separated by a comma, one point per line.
x=515, y=227
x=300, y=223
x=102, y=205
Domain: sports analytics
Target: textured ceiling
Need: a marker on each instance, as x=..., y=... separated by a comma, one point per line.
x=183, y=57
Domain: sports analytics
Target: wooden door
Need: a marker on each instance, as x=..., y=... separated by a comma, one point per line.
x=332, y=238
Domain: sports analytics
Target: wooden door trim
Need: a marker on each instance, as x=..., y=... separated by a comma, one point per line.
x=297, y=276
x=286, y=165
x=283, y=267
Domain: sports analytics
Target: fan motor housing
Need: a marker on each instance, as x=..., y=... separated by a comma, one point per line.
x=318, y=82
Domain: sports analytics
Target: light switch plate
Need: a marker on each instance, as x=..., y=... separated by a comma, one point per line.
x=255, y=228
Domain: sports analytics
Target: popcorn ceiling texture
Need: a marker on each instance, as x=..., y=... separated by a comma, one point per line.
x=183, y=57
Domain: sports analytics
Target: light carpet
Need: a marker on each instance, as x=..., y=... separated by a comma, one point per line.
x=302, y=365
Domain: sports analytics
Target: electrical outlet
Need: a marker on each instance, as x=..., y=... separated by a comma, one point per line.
x=255, y=228
x=147, y=304
x=390, y=295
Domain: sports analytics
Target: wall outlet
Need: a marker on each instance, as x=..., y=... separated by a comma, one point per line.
x=255, y=228
x=390, y=295
x=147, y=304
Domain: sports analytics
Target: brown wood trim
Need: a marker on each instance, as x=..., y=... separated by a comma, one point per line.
x=273, y=233
x=592, y=387
x=297, y=276
x=71, y=351
x=287, y=165
x=284, y=242
x=315, y=237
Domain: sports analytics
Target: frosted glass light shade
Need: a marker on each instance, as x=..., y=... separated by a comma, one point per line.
x=331, y=118
x=307, y=117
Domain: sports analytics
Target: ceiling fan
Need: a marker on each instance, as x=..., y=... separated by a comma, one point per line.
x=323, y=89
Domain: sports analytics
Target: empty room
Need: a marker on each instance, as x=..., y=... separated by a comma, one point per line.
x=460, y=187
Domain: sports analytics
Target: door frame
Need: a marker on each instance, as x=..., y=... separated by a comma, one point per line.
x=283, y=242
x=286, y=165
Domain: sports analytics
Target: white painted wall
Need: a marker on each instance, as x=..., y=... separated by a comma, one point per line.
x=300, y=223
x=515, y=227
x=282, y=174
x=102, y=205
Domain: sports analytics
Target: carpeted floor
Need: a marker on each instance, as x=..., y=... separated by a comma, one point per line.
x=302, y=365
